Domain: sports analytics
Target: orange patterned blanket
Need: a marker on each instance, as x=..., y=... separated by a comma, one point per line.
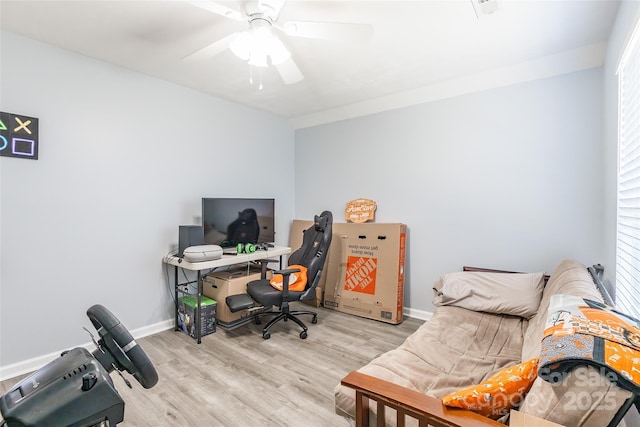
x=582, y=331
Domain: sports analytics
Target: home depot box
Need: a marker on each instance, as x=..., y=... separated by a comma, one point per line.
x=219, y=285
x=365, y=272
x=298, y=227
x=187, y=315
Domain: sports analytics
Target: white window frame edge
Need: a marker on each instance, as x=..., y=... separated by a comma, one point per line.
x=630, y=44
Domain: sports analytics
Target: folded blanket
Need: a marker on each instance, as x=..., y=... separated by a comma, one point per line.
x=585, y=332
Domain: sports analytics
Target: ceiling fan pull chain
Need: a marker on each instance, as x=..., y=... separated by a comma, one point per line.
x=251, y=68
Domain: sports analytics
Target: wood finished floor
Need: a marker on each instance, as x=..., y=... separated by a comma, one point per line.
x=235, y=378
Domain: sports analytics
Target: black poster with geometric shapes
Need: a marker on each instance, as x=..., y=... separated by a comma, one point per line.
x=18, y=136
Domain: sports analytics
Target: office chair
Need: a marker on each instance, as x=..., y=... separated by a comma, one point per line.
x=312, y=254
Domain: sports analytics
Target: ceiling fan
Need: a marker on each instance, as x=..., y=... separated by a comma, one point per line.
x=260, y=46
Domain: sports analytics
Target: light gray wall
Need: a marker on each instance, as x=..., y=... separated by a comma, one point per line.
x=507, y=178
x=124, y=159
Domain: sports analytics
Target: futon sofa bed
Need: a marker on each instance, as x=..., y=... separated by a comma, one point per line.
x=481, y=327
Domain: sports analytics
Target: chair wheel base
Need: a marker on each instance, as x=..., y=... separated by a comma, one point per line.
x=284, y=316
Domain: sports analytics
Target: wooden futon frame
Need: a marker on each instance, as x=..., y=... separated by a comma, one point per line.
x=429, y=411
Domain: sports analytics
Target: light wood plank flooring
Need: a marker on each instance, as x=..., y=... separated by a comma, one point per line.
x=235, y=378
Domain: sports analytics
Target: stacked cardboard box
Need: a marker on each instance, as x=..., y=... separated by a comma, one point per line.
x=219, y=285
x=365, y=274
x=364, y=271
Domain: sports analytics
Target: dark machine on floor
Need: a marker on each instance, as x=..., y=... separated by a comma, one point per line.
x=76, y=389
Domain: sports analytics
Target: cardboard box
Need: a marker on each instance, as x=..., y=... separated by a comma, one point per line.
x=187, y=315
x=365, y=272
x=298, y=227
x=219, y=285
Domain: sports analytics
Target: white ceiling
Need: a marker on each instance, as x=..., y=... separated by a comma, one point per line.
x=420, y=50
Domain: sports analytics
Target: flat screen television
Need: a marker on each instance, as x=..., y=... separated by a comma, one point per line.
x=227, y=222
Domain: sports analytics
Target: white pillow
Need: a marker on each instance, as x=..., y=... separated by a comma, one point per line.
x=517, y=294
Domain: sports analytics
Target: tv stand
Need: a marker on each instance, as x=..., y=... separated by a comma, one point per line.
x=226, y=260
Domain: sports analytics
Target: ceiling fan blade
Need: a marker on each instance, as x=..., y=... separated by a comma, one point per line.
x=289, y=72
x=218, y=8
x=336, y=31
x=212, y=50
x=271, y=8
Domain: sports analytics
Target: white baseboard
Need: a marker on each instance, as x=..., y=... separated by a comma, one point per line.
x=153, y=329
x=417, y=314
x=30, y=365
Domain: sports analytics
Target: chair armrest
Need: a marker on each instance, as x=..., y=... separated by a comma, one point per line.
x=287, y=271
x=428, y=410
x=285, y=281
x=263, y=268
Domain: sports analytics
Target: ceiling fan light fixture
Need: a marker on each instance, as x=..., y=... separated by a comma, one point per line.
x=241, y=45
x=258, y=59
x=259, y=44
x=277, y=51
